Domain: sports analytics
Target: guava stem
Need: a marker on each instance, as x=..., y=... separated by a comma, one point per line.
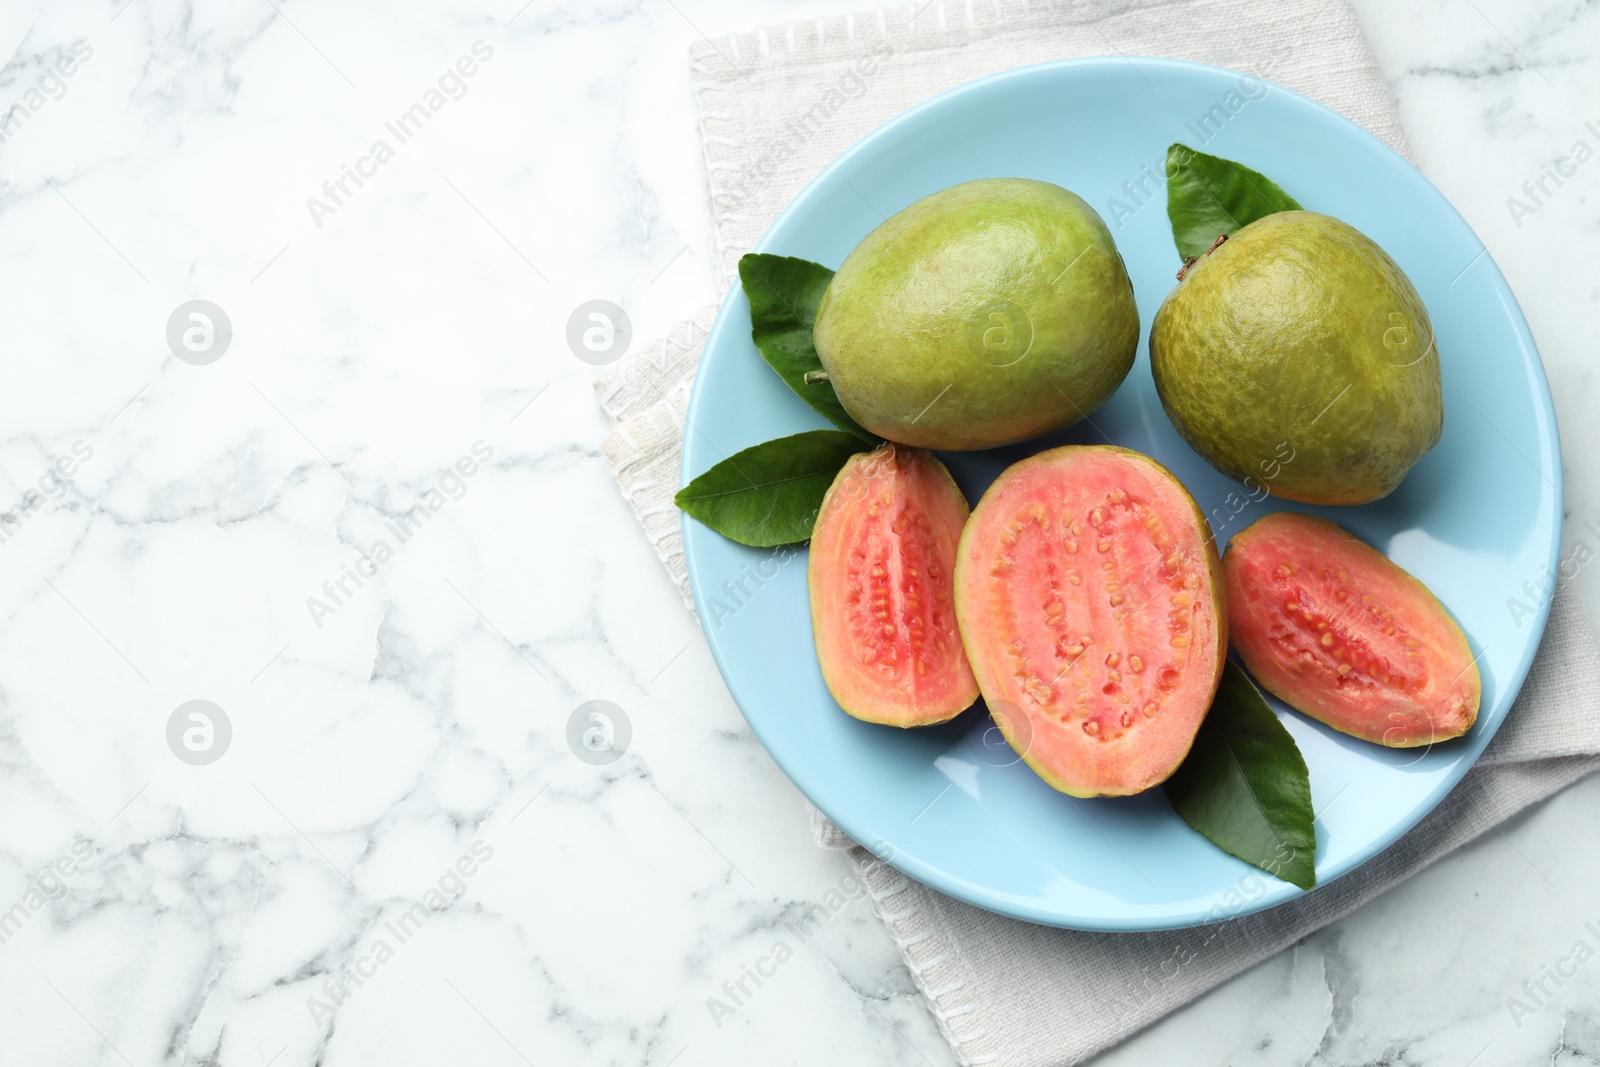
x=1190, y=261
x=816, y=377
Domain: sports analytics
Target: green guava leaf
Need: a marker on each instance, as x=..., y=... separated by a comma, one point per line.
x=1208, y=196
x=1245, y=785
x=770, y=493
x=784, y=293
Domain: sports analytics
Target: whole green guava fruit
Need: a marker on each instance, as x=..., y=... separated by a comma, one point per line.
x=1298, y=354
x=988, y=313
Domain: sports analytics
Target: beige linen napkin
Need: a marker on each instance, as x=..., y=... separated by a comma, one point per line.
x=778, y=104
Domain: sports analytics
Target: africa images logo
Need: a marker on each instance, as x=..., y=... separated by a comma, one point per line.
x=448, y=485
x=336, y=192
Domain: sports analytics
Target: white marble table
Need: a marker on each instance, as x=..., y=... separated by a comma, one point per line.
x=399, y=859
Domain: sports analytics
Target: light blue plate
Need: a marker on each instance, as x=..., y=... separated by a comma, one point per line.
x=1475, y=520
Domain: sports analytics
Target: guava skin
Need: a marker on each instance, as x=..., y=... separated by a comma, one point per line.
x=1300, y=337
x=985, y=314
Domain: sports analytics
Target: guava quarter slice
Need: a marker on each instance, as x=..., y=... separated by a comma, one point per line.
x=881, y=573
x=1091, y=605
x=1336, y=630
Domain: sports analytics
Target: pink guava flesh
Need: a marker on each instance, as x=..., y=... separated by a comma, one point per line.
x=1090, y=601
x=1336, y=630
x=881, y=577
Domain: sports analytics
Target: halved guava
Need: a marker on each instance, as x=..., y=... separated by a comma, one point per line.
x=1338, y=631
x=1090, y=600
x=882, y=559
